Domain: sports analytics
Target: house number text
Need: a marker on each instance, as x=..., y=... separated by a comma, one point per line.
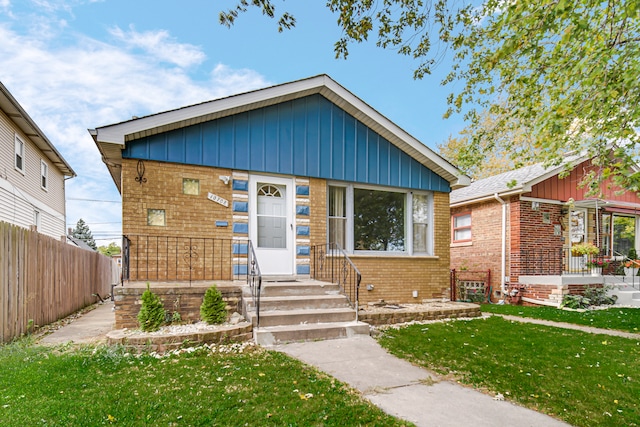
x=218, y=199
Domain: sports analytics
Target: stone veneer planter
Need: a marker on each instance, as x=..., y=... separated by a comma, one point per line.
x=161, y=342
x=418, y=312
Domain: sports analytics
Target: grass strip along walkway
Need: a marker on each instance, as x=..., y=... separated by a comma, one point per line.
x=584, y=379
x=615, y=318
x=227, y=385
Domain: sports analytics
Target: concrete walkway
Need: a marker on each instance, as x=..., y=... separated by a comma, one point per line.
x=409, y=392
x=89, y=328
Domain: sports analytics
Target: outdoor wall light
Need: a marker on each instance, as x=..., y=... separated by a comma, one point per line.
x=225, y=179
x=369, y=287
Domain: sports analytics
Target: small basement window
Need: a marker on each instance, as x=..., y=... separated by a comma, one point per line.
x=156, y=217
x=191, y=186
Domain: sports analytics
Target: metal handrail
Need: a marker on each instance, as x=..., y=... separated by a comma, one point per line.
x=331, y=263
x=254, y=279
x=560, y=261
x=180, y=258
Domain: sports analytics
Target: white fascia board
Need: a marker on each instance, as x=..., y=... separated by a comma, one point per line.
x=323, y=84
x=485, y=198
x=369, y=116
x=116, y=133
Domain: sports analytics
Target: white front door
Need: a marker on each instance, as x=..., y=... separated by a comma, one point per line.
x=271, y=223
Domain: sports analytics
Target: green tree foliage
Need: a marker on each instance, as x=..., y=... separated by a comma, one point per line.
x=83, y=233
x=112, y=249
x=213, y=309
x=152, y=313
x=569, y=69
x=481, y=152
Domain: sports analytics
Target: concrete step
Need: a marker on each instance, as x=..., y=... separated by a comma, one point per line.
x=272, y=335
x=627, y=295
x=271, y=289
x=303, y=316
x=297, y=302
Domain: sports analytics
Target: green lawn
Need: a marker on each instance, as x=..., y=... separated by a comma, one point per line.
x=583, y=379
x=106, y=386
x=622, y=319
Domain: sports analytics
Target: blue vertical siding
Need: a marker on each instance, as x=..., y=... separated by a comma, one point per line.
x=309, y=137
x=285, y=139
x=225, y=143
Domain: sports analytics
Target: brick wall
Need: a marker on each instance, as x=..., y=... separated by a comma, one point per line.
x=394, y=277
x=170, y=254
x=484, y=252
x=186, y=215
x=185, y=300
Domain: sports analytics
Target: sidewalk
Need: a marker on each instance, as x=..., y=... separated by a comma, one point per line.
x=89, y=328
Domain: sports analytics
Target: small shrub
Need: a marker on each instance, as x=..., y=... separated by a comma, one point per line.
x=152, y=313
x=213, y=309
x=598, y=296
x=592, y=296
x=575, y=301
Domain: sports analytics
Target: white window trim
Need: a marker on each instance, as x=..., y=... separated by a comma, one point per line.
x=408, y=212
x=18, y=140
x=461, y=242
x=44, y=173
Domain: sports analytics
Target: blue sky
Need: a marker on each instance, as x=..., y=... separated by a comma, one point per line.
x=80, y=64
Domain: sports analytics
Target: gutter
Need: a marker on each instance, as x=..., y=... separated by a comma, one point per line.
x=503, y=238
x=485, y=198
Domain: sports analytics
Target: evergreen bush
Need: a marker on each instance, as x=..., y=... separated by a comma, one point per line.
x=152, y=313
x=213, y=309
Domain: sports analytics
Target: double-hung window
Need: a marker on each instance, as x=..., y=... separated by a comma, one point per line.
x=461, y=228
x=44, y=174
x=19, y=159
x=366, y=219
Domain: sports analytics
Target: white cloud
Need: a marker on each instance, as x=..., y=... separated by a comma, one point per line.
x=72, y=86
x=160, y=46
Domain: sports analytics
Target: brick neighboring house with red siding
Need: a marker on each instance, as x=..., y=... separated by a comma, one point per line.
x=522, y=224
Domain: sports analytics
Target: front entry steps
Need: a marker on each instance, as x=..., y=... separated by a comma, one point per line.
x=627, y=295
x=302, y=311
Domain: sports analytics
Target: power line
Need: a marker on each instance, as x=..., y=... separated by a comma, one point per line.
x=95, y=200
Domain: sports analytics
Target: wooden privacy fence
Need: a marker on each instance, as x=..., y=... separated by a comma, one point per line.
x=43, y=279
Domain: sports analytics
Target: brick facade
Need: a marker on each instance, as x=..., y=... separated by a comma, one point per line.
x=544, y=227
x=484, y=252
x=394, y=277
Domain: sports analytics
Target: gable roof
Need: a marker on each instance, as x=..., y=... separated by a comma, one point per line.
x=80, y=243
x=19, y=116
x=505, y=184
x=112, y=139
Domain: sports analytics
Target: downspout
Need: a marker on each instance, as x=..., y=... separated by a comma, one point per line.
x=503, y=260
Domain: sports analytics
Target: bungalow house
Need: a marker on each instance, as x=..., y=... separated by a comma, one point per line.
x=32, y=172
x=279, y=173
x=526, y=226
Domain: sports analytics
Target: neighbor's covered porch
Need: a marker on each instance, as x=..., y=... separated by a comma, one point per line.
x=599, y=240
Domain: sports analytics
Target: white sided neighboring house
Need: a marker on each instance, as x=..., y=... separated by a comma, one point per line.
x=32, y=172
